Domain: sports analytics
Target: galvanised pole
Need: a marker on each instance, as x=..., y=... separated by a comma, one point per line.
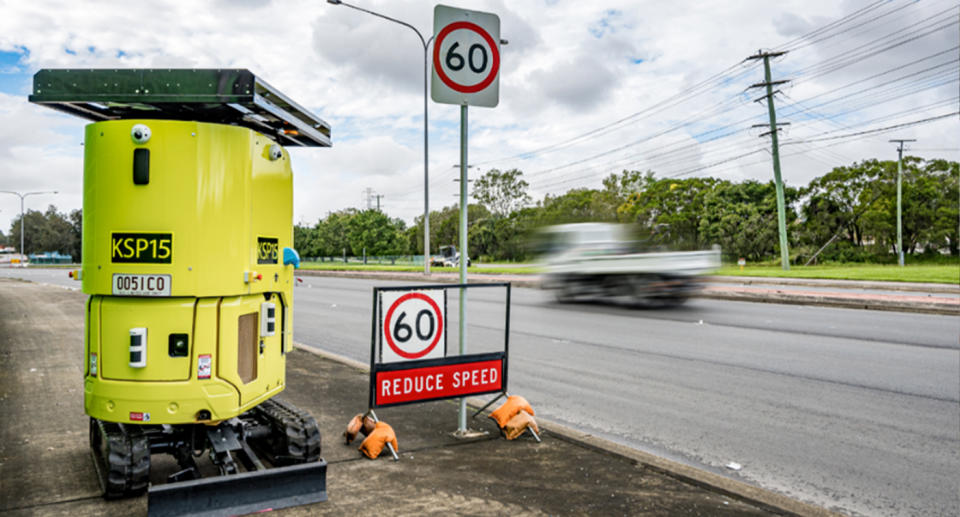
x=426, y=160
x=426, y=138
x=781, y=209
x=464, y=204
x=899, y=205
x=23, y=222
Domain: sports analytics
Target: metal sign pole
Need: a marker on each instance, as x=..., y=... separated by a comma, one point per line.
x=462, y=427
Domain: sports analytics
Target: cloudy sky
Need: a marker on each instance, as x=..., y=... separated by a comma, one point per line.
x=586, y=88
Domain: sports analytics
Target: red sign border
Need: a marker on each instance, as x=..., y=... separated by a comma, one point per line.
x=494, y=69
x=388, y=337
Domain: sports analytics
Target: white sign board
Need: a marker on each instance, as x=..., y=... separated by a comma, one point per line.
x=413, y=325
x=466, y=57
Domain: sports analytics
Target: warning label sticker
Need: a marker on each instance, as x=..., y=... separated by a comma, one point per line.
x=204, y=366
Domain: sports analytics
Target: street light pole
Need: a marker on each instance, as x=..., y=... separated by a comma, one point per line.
x=426, y=140
x=23, y=223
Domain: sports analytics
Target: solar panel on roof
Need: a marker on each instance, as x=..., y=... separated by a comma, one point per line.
x=226, y=96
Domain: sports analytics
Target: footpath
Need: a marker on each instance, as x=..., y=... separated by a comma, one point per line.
x=851, y=294
x=46, y=467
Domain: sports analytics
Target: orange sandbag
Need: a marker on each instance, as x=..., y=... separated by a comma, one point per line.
x=513, y=405
x=369, y=424
x=518, y=424
x=374, y=443
x=353, y=427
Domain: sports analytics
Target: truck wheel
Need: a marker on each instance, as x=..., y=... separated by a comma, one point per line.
x=671, y=301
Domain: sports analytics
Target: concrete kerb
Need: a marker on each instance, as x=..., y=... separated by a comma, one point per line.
x=843, y=284
x=760, y=497
x=826, y=300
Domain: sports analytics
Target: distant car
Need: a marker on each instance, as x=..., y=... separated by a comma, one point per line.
x=448, y=257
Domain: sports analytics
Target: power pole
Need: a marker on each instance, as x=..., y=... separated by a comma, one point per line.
x=899, y=198
x=378, y=196
x=365, y=196
x=781, y=209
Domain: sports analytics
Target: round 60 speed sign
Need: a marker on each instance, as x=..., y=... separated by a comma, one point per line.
x=466, y=57
x=412, y=326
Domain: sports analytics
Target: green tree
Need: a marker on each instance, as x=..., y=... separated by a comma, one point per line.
x=845, y=200
x=742, y=218
x=331, y=233
x=46, y=231
x=930, y=212
x=669, y=210
x=305, y=241
x=373, y=231
x=944, y=233
x=860, y=203
x=445, y=229
x=502, y=192
x=620, y=187
x=576, y=206
x=76, y=229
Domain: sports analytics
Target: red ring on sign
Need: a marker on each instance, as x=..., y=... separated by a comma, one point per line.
x=494, y=68
x=389, y=335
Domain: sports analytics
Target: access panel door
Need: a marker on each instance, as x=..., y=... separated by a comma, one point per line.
x=249, y=349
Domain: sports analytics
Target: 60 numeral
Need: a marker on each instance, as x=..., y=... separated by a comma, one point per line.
x=455, y=61
x=402, y=332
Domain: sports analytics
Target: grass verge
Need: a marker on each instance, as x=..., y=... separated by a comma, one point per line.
x=352, y=266
x=929, y=273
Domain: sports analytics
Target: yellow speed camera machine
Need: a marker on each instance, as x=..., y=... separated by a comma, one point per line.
x=188, y=262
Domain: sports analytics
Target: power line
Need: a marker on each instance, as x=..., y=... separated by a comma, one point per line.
x=878, y=130
x=849, y=29
x=605, y=129
x=836, y=23
x=859, y=54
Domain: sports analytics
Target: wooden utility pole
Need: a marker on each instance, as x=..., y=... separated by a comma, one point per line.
x=781, y=209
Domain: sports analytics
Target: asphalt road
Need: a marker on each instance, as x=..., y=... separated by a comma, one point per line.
x=853, y=410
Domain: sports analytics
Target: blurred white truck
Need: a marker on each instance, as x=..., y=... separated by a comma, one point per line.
x=602, y=260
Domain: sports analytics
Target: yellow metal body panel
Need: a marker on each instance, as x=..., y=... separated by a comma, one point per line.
x=212, y=187
x=214, y=215
x=161, y=317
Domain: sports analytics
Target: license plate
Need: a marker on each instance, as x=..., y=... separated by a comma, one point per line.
x=141, y=285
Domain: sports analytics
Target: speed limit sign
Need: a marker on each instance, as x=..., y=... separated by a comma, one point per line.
x=466, y=57
x=413, y=325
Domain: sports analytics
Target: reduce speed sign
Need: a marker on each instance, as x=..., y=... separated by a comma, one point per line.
x=466, y=57
x=413, y=325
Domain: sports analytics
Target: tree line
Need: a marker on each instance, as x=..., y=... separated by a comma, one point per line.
x=851, y=210
x=47, y=231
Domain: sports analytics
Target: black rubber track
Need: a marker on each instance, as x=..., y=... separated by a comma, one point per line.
x=295, y=437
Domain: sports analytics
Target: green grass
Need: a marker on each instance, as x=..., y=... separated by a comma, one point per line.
x=353, y=266
x=931, y=273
